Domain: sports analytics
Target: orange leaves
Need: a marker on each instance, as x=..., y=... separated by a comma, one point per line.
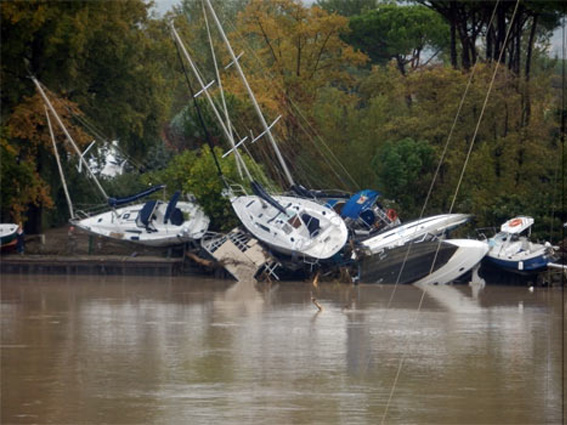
x=28, y=123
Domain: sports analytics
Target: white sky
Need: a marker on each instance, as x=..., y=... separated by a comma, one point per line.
x=163, y=6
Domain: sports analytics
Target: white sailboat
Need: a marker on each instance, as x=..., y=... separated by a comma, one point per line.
x=287, y=225
x=154, y=223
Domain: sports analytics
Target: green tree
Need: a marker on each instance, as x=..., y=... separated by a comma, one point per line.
x=347, y=7
x=405, y=168
x=401, y=33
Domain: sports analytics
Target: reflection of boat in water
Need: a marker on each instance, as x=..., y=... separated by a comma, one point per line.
x=512, y=250
x=427, y=262
x=453, y=299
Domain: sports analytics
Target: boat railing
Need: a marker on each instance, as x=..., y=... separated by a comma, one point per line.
x=238, y=190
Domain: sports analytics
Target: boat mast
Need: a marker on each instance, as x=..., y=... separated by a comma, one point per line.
x=225, y=108
x=69, y=138
x=70, y=205
x=211, y=102
x=251, y=94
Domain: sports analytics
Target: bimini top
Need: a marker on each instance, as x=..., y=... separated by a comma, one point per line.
x=116, y=202
x=517, y=224
x=359, y=202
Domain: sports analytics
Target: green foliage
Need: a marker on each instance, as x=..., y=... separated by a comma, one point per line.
x=405, y=169
x=195, y=172
x=347, y=7
x=398, y=32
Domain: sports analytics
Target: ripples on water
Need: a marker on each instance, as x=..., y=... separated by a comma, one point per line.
x=131, y=350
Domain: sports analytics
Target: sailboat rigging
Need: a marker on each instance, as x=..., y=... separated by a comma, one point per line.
x=154, y=223
x=287, y=225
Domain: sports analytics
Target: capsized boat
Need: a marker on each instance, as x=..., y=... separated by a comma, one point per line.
x=426, y=262
x=511, y=249
x=291, y=225
x=287, y=225
x=424, y=228
x=154, y=223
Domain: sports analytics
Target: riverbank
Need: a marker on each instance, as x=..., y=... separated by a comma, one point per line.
x=68, y=250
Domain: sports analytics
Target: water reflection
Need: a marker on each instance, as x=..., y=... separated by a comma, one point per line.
x=122, y=350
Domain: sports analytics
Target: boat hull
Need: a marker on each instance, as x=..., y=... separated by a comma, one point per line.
x=122, y=225
x=428, y=262
x=414, y=230
x=8, y=234
x=291, y=233
x=536, y=263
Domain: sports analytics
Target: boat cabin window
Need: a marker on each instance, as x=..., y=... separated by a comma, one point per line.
x=312, y=223
x=295, y=221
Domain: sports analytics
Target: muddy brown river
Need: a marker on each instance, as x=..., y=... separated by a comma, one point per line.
x=136, y=350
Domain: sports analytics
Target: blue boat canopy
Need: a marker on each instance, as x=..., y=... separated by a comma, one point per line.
x=145, y=214
x=116, y=202
x=171, y=207
x=358, y=203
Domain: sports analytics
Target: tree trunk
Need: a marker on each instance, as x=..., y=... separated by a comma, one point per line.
x=529, y=50
x=453, y=19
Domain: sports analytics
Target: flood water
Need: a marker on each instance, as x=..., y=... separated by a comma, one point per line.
x=161, y=350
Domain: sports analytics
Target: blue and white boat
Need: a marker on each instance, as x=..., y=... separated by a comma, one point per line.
x=511, y=249
x=363, y=214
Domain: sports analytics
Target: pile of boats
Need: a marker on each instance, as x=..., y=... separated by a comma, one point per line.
x=302, y=230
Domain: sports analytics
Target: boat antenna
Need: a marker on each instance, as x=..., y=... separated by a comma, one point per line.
x=250, y=94
x=69, y=138
x=201, y=120
x=63, y=181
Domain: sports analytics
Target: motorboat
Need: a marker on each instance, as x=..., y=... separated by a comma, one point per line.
x=511, y=249
x=426, y=262
x=8, y=235
x=416, y=230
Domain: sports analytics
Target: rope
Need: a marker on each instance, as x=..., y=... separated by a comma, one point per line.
x=422, y=298
x=297, y=111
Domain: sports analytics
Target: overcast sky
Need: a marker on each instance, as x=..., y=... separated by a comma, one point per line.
x=163, y=6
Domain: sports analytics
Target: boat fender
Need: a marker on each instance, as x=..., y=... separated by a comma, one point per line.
x=392, y=214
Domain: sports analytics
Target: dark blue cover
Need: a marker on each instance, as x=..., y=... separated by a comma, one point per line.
x=116, y=202
x=145, y=214
x=260, y=192
x=171, y=206
x=359, y=202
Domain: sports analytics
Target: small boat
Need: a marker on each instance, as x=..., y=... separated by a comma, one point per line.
x=512, y=250
x=8, y=235
x=416, y=230
x=435, y=262
x=153, y=223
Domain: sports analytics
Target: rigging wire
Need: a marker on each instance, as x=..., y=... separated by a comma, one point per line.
x=201, y=120
x=295, y=110
x=563, y=230
x=471, y=145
